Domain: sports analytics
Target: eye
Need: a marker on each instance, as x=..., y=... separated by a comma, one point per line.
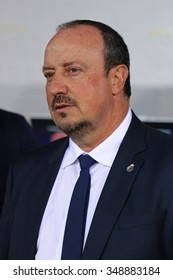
x=48, y=75
x=73, y=71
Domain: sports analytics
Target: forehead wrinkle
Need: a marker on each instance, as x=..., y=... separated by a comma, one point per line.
x=70, y=55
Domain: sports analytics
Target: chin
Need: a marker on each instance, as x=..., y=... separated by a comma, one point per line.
x=76, y=129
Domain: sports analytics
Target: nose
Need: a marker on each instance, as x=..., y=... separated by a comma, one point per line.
x=57, y=85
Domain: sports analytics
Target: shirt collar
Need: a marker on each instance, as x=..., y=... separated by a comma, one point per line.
x=103, y=153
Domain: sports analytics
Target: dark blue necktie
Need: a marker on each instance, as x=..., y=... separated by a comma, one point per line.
x=76, y=218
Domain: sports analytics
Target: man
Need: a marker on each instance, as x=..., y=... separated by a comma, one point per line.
x=130, y=208
x=16, y=136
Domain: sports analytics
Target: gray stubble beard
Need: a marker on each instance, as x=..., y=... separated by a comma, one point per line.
x=77, y=129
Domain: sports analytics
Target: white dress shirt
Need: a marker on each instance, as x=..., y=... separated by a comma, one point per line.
x=50, y=239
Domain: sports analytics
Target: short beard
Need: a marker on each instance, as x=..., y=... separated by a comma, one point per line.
x=77, y=130
x=74, y=130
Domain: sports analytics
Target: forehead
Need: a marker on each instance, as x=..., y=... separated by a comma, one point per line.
x=76, y=39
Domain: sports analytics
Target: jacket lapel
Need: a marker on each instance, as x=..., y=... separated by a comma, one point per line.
x=125, y=168
x=40, y=189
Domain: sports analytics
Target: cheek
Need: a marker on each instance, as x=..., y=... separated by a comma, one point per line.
x=98, y=89
x=49, y=98
x=98, y=83
x=92, y=87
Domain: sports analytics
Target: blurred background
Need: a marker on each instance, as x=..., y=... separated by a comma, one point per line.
x=146, y=26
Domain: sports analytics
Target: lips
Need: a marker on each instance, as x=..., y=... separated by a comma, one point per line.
x=61, y=106
x=61, y=102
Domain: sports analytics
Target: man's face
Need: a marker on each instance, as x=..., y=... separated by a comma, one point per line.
x=79, y=94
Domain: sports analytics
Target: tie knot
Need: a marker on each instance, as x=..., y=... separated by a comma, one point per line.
x=86, y=161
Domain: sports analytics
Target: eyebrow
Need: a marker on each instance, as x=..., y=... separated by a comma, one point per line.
x=45, y=68
x=65, y=64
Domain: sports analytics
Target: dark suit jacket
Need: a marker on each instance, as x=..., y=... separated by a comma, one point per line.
x=16, y=136
x=134, y=215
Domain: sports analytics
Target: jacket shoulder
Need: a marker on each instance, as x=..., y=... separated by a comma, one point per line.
x=47, y=153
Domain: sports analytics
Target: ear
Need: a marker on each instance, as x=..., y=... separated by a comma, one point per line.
x=118, y=76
